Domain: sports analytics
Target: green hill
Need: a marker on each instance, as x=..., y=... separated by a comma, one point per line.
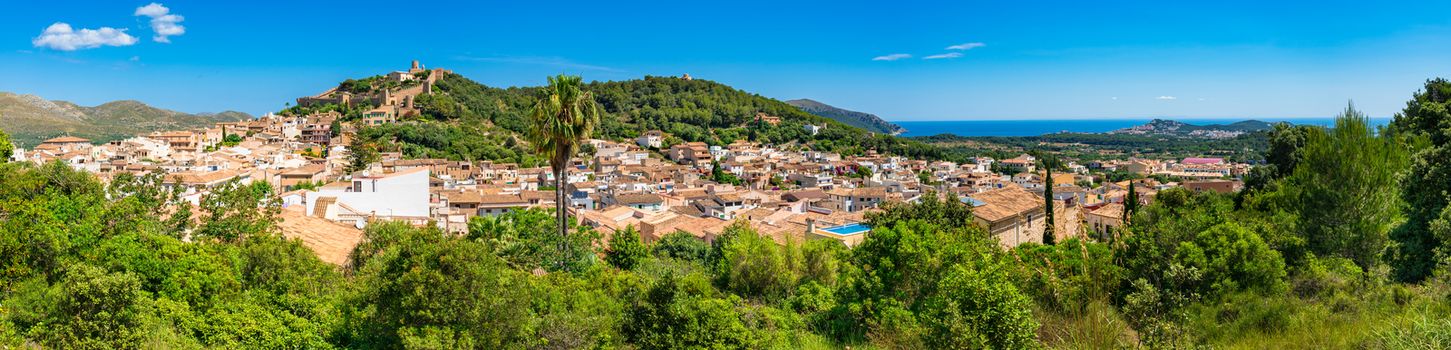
x=463, y=119
x=868, y=121
x=30, y=119
x=1178, y=128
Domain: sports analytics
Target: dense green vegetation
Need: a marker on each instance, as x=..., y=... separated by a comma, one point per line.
x=1425, y=238
x=430, y=139
x=7, y=149
x=1088, y=147
x=126, y=266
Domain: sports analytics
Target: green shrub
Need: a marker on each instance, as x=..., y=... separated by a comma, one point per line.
x=1323, y=277
x=682, y=245
x=626, y=250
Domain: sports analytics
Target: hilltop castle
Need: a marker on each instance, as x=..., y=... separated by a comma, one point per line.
x=391, y=95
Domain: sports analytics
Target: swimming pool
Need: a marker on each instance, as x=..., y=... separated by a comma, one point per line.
x=848, y=229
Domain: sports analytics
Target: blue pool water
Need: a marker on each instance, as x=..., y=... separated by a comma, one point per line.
x=849, y=229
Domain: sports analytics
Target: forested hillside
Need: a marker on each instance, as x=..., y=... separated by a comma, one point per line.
x=1342, y=241
x=686, y=110
x=867, y=121
x=1248, y=147
x=1178, y=128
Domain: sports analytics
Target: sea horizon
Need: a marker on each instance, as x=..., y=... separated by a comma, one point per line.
x=1036, y=127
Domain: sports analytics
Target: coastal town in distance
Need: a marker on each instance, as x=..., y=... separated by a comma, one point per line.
x=658, y=187
x=800, y=174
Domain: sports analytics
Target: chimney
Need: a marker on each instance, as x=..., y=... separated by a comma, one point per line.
x=810, y=226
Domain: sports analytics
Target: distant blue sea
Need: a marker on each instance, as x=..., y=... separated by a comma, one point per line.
x=1035, y=127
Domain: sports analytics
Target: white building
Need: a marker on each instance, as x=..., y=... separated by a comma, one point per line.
x=651, y=139
x=401, y=195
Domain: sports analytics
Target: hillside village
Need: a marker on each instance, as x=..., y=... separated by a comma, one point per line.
x=658, y=188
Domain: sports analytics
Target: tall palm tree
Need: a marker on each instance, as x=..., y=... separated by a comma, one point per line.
x=564, y=115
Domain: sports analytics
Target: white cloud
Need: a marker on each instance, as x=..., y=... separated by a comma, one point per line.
x=1166, y=98
x=135, y=58
x=891, y=57
x=942, y=56
x=60, y=36
x=163, y=23
x=1115, y=98
x=152, y=10
x=966, y=46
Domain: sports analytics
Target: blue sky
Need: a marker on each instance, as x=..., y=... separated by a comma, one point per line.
x=1041, y=59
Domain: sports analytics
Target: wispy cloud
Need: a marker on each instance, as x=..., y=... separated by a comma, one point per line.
x=540, y=61
x=1166, y=98
x=891, y=57
x=966, y=46
x=944, y=55
x=163, y=23
x=60, y=36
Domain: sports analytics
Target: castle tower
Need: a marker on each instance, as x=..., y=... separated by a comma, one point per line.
x=415, y=66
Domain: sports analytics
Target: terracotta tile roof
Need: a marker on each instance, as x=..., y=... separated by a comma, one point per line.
x=307, y=170
x=531, y=195
x=728, y=197
x=691, y=193
x=1111, y=210
x=462, y=197
x=687, y=210
x=332, y=242
x=1005, y=202
x=870, y=192
x=1022, y=159
x=637, y=198
x=502, y=199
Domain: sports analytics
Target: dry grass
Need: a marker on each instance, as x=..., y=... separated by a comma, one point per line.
x=1099, y=326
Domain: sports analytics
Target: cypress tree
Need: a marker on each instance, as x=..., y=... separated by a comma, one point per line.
x=1131, y=203
x=1048, y=237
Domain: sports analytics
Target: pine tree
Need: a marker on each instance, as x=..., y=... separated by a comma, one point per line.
x=626, y=250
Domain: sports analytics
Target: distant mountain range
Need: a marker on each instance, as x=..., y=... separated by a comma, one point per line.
x=30, y=119
x=1177, y=128
x=867, y=121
